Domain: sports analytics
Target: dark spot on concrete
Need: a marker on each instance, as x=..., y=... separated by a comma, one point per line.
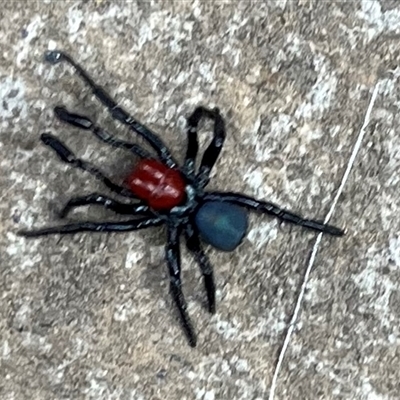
x=13, y=93
x=161, y=374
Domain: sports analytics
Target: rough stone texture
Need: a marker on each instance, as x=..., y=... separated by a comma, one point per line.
x=89, y=316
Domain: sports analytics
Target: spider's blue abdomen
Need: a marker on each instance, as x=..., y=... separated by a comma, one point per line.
x=221, y=224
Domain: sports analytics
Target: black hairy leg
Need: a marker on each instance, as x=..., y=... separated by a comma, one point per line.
x=274, y=210
x=107, y=202
x=117, y=112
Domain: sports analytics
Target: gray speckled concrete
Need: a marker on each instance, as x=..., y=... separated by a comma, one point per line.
x=89, y=316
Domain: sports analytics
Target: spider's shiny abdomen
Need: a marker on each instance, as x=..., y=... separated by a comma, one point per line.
x=161, y=187
x=222, y=224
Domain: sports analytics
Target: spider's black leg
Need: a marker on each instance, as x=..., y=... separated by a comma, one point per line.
x=84, y=122
x=192, y=144
x=106, y=202
x=173, y=256
x=212, y=152
x=194, y=246
x=124, y=226
x=115, y=110
x=272, y=209
x=67, y=156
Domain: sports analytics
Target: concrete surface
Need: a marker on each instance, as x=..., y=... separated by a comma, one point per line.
x=89, y=316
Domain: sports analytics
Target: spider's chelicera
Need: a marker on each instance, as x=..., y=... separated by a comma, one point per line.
x=163, y=193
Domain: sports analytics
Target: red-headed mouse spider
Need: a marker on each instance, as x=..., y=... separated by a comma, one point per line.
x=160, y=192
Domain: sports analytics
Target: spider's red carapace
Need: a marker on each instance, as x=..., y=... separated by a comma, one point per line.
x=161, y=187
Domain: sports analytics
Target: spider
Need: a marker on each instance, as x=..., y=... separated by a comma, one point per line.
x=163, y=193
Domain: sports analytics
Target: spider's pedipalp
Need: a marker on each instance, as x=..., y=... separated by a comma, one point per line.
x=79, y=121
x=83, y=122
x=138, y=208
x=67, y=156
